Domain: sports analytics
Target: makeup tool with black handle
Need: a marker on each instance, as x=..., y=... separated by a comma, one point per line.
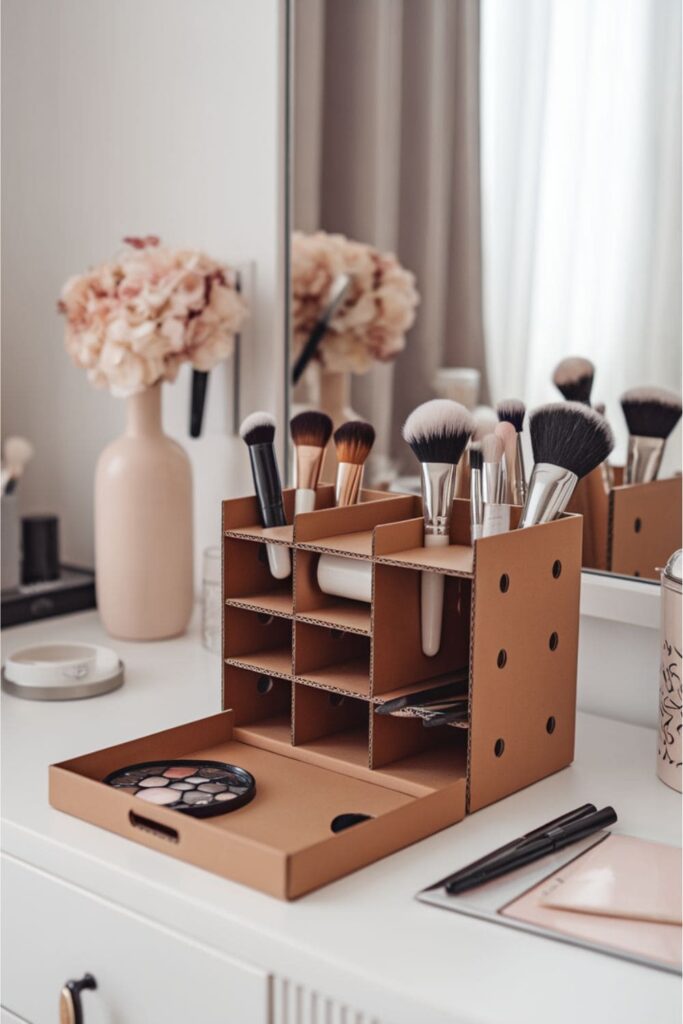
x=453, y=685
x=258, y=432
x=437, y=432
x=651, y=415
x=568, y=439
x=338, y=293
x=531, y=848
x=513, y=411
x=200, y=380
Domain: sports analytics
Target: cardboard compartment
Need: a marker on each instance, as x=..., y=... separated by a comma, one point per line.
x=397, y=652
x=348, y=530
x=332, y=658
x=248, y=583
x=261, y=704
x=282, y=842
x=332, y=725
x=403, y=749
x=259, y=641
x=313, y=606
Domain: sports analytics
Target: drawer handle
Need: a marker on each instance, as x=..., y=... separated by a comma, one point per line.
x=70, y=1009
x=155, y=827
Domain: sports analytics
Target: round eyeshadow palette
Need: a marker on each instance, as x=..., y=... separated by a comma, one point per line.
x=198, y=788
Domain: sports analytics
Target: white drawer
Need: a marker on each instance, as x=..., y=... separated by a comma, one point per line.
x=146, y=974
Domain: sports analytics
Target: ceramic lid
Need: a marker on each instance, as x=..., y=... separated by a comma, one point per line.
x=674, y=567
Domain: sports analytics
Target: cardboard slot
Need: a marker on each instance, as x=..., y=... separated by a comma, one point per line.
x=315, y=606
x=644, y=527
x=332, y=658
x=403, y=749
x=403, y=544
x=259, y=641
x=241, y=518
x=348, y=530
x=397, y=652
x=258, y=699
x=331, y=724
x=248, y=582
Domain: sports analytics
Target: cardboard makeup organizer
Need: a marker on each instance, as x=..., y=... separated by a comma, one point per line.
x=303, y=672
x=629, y=529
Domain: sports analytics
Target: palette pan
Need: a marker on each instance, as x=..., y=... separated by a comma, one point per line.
x=201, y=789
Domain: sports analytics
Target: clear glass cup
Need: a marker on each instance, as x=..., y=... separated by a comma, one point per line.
x=211, y=599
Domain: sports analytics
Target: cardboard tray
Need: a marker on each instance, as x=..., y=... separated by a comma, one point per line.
x=313, y=740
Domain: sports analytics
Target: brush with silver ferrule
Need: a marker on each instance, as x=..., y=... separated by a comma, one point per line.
x=258, y=432
x=573, y=378
x=437, y=432
x=476, y=495
x=606, y=469
x=568, y=439
x=507, y=434
x=651, y=415
x=310, y=433
x=513, y=411
x=492, y=452
x=484, y=422
x=353, y=442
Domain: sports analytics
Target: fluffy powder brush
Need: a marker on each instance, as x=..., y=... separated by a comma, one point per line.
x=651, y=415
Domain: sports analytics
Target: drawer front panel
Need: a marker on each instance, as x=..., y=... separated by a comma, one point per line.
x=145, y=974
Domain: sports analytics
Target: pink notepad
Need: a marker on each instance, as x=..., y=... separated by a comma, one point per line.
x=624, y=893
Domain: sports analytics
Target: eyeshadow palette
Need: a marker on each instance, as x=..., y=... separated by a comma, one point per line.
x=198, y=788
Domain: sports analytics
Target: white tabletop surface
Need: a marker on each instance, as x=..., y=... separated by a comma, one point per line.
x=364, y=939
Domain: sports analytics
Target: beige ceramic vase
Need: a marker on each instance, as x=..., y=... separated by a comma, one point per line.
x=143, y=528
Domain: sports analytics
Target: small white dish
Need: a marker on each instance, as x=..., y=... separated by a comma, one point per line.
x=65, y=671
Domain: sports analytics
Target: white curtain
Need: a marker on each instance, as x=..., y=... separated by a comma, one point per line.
x=581, y=193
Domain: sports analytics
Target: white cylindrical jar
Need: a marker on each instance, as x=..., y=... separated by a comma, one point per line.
x=669, y=746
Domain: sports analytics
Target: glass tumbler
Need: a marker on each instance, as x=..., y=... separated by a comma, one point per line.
x=211, y=599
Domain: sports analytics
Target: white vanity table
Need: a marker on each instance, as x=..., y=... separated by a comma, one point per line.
x=169, y=943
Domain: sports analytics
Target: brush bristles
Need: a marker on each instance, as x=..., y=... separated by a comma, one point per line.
x=438, y=431
x=312, y=429
x=651, y=412
x=258, y=428
x=353, y=441
x=600, y=408
x=476, y=458
x=485, y=419
x=512, y=411
x=570, y=435
x=492, y=448
x=573, y=378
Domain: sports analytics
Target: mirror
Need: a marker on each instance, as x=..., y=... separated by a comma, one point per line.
x=523, y=163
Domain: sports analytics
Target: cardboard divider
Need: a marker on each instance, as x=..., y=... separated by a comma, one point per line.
x=258, y=698
x=322, y=713
x=348, y=530
x=397, y=650
x=312, y=605
x=403, y=748
x=259, y=641
x=332, y=658
x=403, y=544
x=248, y=582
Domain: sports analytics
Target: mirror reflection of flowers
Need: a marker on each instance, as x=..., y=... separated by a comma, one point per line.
x=130, y=323
x=379, y=307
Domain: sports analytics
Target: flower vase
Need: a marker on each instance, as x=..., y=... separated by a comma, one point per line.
x=335, y=400
x=143, y=528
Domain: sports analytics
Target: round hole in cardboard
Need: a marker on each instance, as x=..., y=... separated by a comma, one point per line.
x=264, y=684
x=337, y=634
x=265, y=619
x=504, y=583
x=553, y=641
x=343, y=821
x=557, y=569
x=638, y=524
x=499, y=747
x=337, y=699
x=550, y=725
x=502, y=658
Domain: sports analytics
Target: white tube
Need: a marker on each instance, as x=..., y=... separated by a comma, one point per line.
x=345, y=577
x=279, y=561
x=432, y=590
x=304, y=500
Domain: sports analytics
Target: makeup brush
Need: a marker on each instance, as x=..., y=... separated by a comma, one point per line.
x=338, y=292
x=485, y=419
x=258, y=431
x=513, y=411
x=600, y=407
x=352, y=441
x=606, y=469
x=573, y=378
x=492, y=452
x=568, y=440
x=651, y=415
x=17, y=452
x=476, y=493
x=508, y=435
x=310, y=433
x=437, y=432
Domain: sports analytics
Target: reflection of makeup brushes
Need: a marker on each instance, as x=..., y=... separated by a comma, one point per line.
x=310, y=433
x=573, y=378
x=258, y=431
x=353, y=441
x=569, y=440
x=338, y=292
x=513, y=411
x=437, y=432
x=651, y=415
x=476, y=494
x=17, y=452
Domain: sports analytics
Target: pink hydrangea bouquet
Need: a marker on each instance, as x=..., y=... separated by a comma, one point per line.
x=371, y=323
x=132, y=322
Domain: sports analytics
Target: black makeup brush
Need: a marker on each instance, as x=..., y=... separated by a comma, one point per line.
x=651, y=415
x=513, y=411
x=437, y=432
x=258, y=431
x=338, y=292
x=310, y=433
x=568, y=440
x=353, y=442
x=573, y=378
